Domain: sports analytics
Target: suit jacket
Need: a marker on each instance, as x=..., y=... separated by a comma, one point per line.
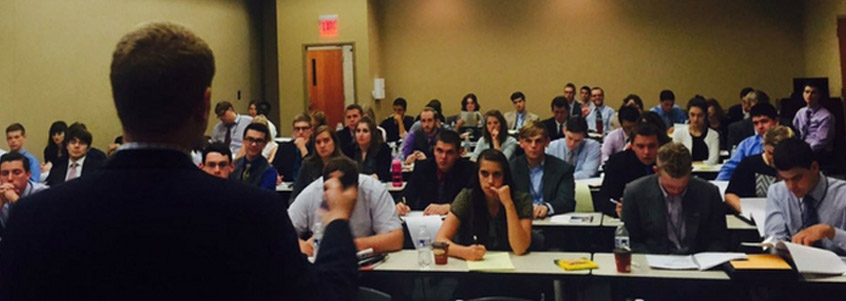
x=645, y=215
x=347, y=139
x=738, y=131
x=60, y=169
x=559, y=188
x=150, y=225
x=511, y=118
x=620, y=169
x=734, y=113
x=422, y=188
x=552, y=129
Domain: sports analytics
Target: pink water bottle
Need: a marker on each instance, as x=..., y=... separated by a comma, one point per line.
x=396, y=172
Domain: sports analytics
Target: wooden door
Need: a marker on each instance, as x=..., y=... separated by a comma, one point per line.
x=325, y=77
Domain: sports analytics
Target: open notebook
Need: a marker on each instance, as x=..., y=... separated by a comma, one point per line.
x=808, y=260
x=698, y=261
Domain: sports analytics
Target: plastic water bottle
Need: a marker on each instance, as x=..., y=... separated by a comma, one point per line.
x=621, y=237
x=467, y=144
x=424, y=249
x=318, y=236
x=396, y=172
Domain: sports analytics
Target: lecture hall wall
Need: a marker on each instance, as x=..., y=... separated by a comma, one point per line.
x=55, y=56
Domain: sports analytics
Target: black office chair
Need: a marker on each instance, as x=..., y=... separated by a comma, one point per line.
x=369, y=294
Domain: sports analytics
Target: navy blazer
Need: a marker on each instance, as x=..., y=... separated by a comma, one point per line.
x=559, y=188
x=645, y=215
x=152, y=226
x=60, y=169
x=552, y=129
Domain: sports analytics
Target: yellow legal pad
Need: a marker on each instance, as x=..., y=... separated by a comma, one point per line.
x=493, y=261
x=761, y=262
x=576, y=264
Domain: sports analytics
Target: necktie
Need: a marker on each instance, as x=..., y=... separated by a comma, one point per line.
x=73, y=172
x=228, y=139
x=246, y=174
x=561, y=129
x=807, y=126
x=571, y=155
x=599, y=123
x=809, y=212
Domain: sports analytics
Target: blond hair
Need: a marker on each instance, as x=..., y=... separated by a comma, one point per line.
x=778, y=134
x=675, y=160
x=531, y=129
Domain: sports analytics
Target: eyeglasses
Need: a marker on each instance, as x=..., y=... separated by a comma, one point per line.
x=214, y=165
x=301, y=128
x=254, y=140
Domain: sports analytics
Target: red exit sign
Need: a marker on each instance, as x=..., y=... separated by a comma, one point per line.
x=328, y=25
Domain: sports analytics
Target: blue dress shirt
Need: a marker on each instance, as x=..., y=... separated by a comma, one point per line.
x=607, y=114
x=784, y=212
x=586, y=157
x=750, y=146
x=676, y=115
x=34, y=166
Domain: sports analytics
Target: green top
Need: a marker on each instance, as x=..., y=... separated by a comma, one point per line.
x=497, y=227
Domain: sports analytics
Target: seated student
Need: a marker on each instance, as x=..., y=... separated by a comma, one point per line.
x=668, y=110
x=629, y=165
x=764, y=117
x=815, y=123
x=718, y=121
x=397, y=125
x=560, y=112
x=325, y=148
x=346, y=135
x=470, y=118
x=520, y=116
x=253, y=168
x=618, y=139
x=702, y=141
x=671, y=212
x=16, y=138
x=217, y=160
x=93, y=152
x=78, y=163
x=599, y=118
x=372, y=155
x=270, y=148
x=574, y=105
x=576, y=149
x=318, y=118
x=55, y=148
x=546, y=178
x=631, y=100
x=495, y=135
x=230, y=129
x=741, y=110
x=434, y=183
x=490, y=202
x=416, y=126
x=289, y=155
x=584, y=101
x=15, y=183
x=420, y=142
x=263, y=109
x=807, y=207
x=743, y=128
x=755, y=174
x=373, y=221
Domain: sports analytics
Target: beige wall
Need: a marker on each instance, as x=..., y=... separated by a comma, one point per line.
x=297, y=23
x=822, y=48
x=55, y=56
x=444, y=49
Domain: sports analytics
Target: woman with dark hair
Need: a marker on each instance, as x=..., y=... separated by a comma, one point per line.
x=326, y=147
x=55, y=149
x=470, y=116
x=495, y=136
x=631, y=100
x=489, y=215
x=372, y=154
x=718, y=121
x=702, y=141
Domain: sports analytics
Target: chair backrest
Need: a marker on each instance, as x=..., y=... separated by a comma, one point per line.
x=584, y=198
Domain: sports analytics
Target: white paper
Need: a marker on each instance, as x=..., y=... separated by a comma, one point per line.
x=590, y=182
x=755, y=209
x=572, y=218
x=722, y=186
x=707, y=260
x=814, y=260
x=415, y=223
x=672, y=262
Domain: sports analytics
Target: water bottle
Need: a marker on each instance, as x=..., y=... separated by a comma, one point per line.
x=621, y=237
x=424, y=249
x=396, y=172
x=467, y=144
x=318, y=236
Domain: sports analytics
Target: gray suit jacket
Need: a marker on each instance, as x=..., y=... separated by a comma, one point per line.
x=558, y=186
x=645, y=215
